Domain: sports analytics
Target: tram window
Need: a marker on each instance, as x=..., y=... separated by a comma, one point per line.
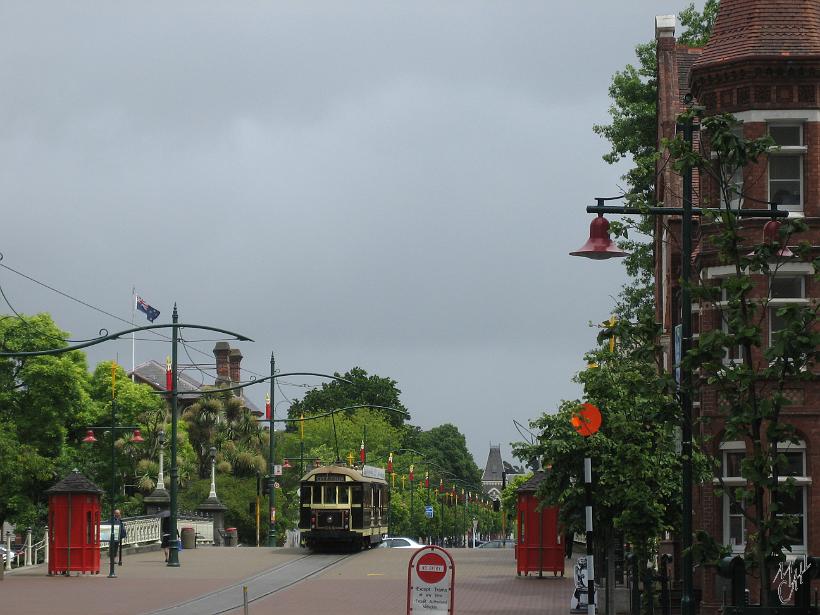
x=343, y=495
x=357, y=494
x=330, y=494
x=305, y=494
x=317, y=495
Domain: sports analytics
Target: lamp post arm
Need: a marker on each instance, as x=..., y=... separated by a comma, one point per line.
x=242, y=385
x=679, y=211
x=117, y=335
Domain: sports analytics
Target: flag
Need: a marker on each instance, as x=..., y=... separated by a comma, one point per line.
x=361, y=452
x=169, y=375
x=151, y=313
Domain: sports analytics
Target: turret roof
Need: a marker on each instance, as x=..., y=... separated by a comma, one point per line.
x=757, y=29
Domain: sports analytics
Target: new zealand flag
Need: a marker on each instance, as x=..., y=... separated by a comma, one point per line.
x=151, y=313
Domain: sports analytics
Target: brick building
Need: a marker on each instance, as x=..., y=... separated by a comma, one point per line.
x=762, y=64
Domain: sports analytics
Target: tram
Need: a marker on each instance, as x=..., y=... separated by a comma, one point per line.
x=343, y=506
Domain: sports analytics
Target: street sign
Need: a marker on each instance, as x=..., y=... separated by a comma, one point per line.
x=428, y=512
x=587, y=420
x=277, y=470
x=431, y=577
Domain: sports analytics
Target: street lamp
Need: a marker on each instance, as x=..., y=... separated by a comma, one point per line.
x=90, y=439
x=599, y=247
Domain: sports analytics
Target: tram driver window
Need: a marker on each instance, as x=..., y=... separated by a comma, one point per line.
x=357, y=495
x=343, y=495
x=305, y=495
x=330, y=494
x=317, y=495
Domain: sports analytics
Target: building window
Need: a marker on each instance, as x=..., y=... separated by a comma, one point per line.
x=792, y=501
x=734, y=353
x=783, y=290
x=734, y=523
x=786, y=165
x=734, y=184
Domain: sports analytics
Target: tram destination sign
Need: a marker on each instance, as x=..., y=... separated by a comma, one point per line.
x=431, y=578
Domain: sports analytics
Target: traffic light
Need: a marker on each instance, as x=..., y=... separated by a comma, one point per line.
x=265, y=489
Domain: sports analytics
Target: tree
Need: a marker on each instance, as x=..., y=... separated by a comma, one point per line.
x=635, y=468
x=363, y=390
x=43, y=400
x=751, y=389
x=446, y=448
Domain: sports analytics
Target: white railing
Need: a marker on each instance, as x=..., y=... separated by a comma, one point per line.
x=203, y=527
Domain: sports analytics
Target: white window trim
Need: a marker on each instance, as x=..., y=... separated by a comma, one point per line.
x=801, y=482
x=789, y=150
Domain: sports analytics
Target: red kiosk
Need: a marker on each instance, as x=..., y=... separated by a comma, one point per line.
x=74, y=526
x=538, y=546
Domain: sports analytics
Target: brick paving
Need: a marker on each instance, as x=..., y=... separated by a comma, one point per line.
x=371, y=583
x=375, y=583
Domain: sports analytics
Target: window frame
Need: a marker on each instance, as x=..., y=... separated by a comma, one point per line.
x=788, y=151
x=773, y=304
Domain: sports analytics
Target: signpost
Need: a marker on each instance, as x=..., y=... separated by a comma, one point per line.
x=587, y=422
x=431, y=576
x=428, y=512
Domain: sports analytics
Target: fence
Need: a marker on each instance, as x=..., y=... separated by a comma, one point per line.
x=143, y=530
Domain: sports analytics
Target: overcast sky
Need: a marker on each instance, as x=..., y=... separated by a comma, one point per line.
x=390, y=185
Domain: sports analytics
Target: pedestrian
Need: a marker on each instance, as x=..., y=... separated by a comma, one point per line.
x=119, y=537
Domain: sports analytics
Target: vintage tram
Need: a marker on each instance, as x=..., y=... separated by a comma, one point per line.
x=343, y=506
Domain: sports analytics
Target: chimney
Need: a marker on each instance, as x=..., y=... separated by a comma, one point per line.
x=221, y=352
x=235, y=358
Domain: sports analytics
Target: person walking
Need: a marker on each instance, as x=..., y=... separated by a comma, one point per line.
x=119, y=536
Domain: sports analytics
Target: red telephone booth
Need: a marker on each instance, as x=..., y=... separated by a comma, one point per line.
x=74, y=526
x=538, y=547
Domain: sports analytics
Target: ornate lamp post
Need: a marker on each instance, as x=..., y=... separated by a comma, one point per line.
x=90, y=439
x=600, y=247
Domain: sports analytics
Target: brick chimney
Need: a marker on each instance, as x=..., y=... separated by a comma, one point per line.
x=221, y=352
x=235, y=358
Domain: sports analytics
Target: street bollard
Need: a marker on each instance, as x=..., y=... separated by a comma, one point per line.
x=245, y=598
x=28, y=547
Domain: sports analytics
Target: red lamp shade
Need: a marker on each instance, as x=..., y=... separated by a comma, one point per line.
x=89, y=436
x=287, y=465
x=599, y=246
x=137, y=437
x=771, y=234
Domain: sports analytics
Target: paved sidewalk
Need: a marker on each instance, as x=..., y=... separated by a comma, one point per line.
x=143, y=584
x=370, y=583
x=375, y=583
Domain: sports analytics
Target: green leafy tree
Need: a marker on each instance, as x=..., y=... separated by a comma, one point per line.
x=363, y=390
x=751, y=391
x=43, y=401
x=445, y=447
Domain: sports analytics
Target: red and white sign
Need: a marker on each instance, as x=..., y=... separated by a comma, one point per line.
x=431, y=576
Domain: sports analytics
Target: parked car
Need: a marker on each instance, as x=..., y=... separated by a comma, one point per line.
x=15, y=551
x=400, y=542
x=497, y=544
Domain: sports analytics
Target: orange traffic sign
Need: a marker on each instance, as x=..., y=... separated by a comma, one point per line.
x=587, y=420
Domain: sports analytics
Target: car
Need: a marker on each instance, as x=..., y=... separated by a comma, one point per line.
x=400, y=542
x=16, y=551
x=497, y=544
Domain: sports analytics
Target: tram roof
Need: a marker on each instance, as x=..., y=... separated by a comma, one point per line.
x=353, y=473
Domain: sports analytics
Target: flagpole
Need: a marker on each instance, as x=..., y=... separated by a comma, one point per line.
x=133, y=338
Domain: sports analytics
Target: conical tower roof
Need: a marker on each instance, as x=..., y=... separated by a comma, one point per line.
x=760, y=29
